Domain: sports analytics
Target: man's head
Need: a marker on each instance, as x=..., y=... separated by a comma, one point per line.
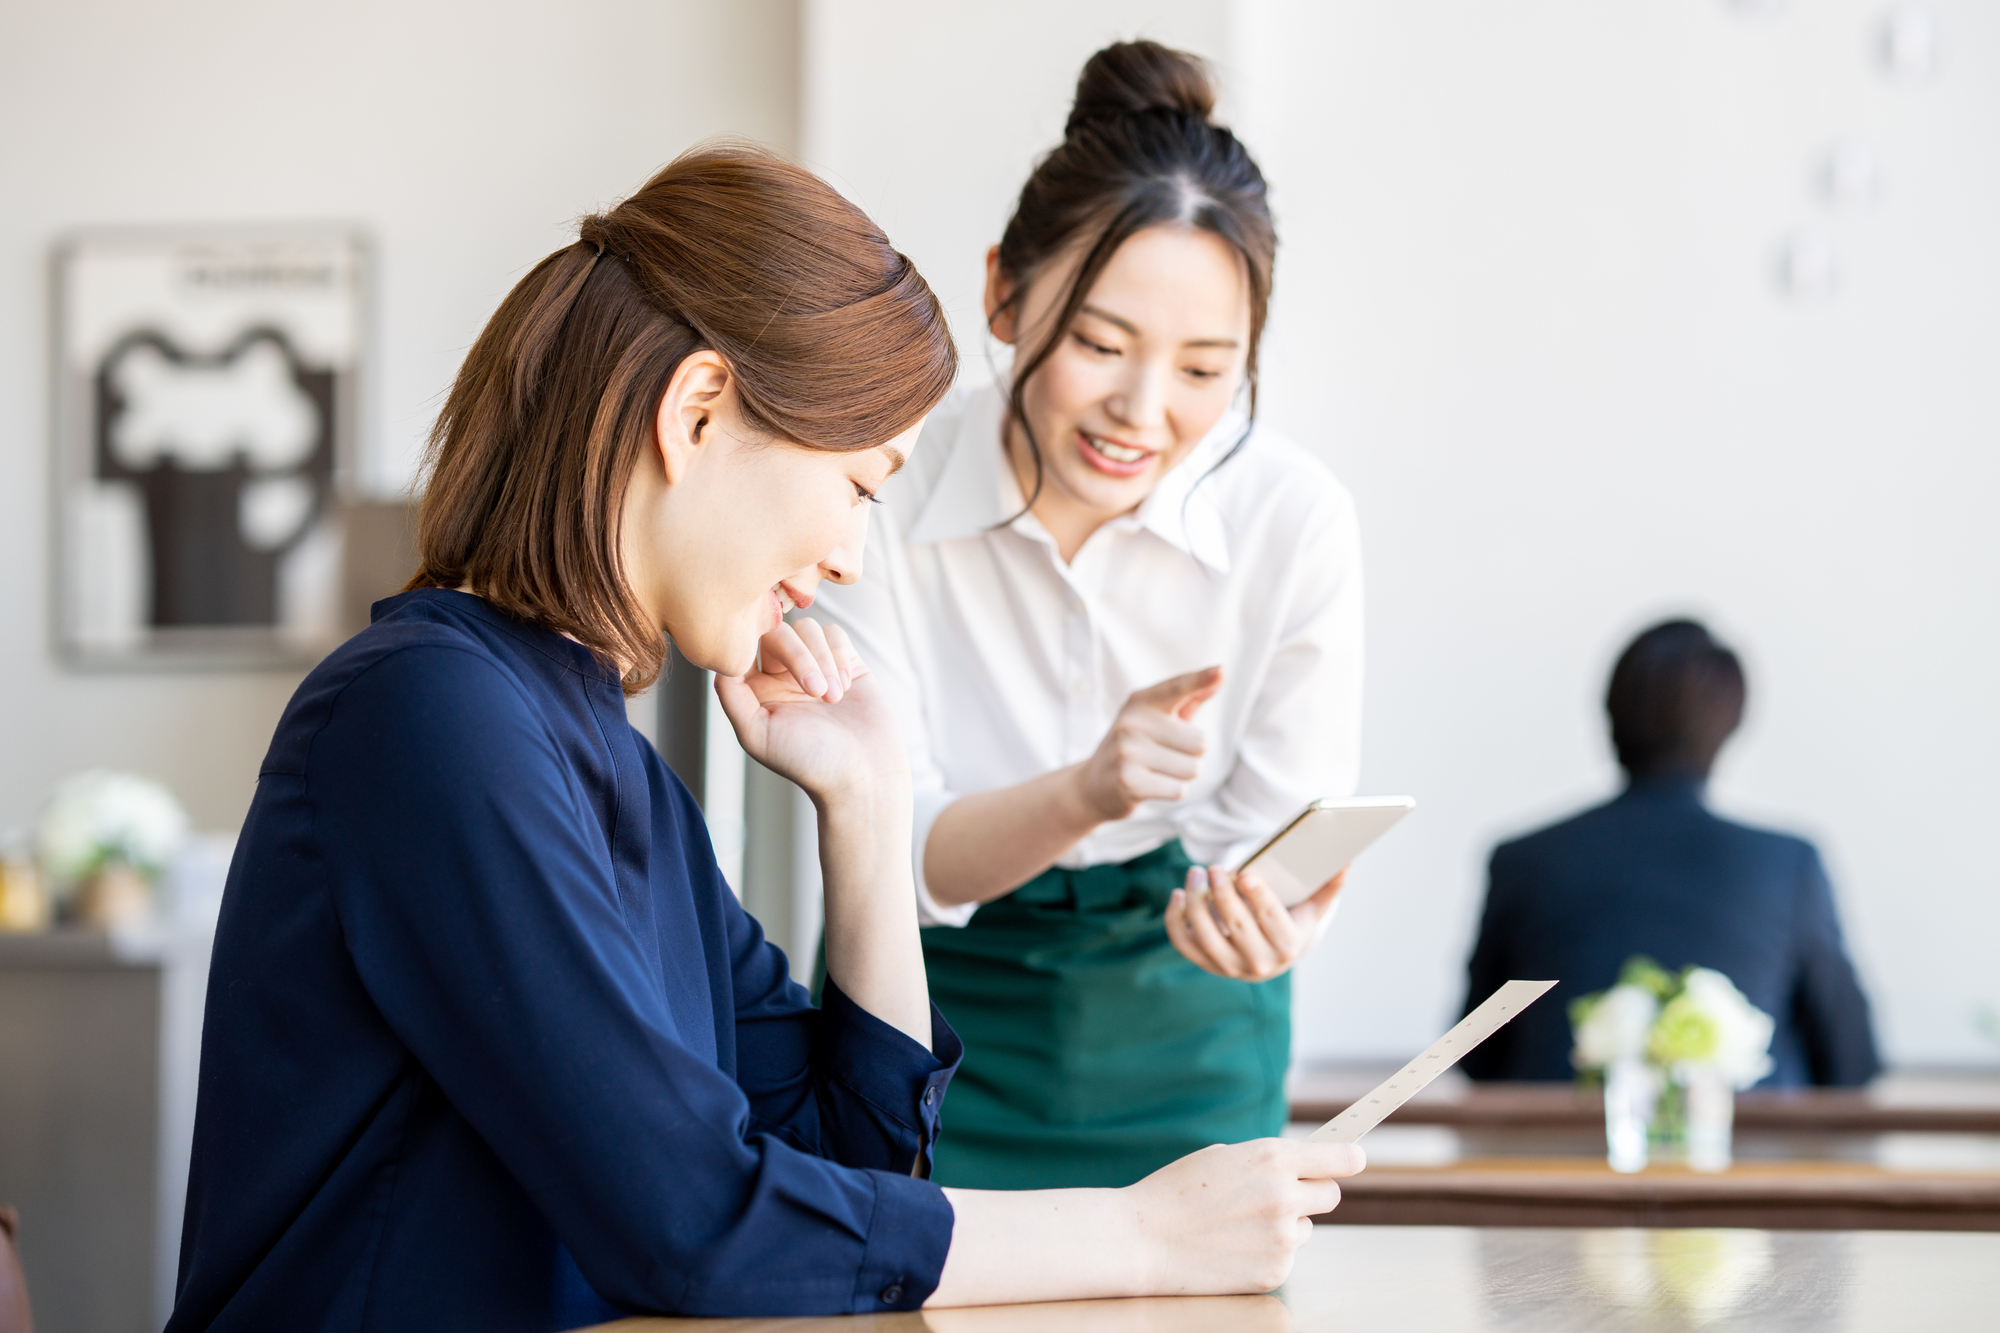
x=1675, y=697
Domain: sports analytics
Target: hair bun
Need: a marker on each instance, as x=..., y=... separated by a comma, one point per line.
x=1129, y=78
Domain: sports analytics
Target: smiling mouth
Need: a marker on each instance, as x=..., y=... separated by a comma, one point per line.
x=787, y=600
x=1106, y=455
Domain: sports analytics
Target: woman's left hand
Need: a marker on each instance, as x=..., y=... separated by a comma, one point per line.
x=810, y=712
x=1234, y=925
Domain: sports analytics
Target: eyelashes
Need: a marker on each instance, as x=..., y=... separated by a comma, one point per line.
x=867, y=494
x=1199, y=374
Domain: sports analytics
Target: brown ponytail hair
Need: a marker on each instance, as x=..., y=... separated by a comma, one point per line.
x=1139, y=151
x=834, y=339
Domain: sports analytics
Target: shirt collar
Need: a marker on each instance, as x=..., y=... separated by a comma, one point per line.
x=976, y=490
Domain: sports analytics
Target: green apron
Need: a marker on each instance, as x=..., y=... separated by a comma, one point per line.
x=1094, y=1052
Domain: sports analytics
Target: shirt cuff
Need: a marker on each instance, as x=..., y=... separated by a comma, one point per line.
x=928, y=805
x=908, y=1239
x=886, y=1069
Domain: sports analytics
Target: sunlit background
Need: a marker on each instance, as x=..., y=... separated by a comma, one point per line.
x=1603, y=311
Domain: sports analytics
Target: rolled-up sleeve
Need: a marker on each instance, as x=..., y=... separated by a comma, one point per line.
x=490, y=935
x=835, y=1081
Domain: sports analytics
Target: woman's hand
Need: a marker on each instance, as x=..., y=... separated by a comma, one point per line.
x=1225, y=1220
x=1234, y=925
x=1153, y=749
x=1231, y=1217
x=810, y=712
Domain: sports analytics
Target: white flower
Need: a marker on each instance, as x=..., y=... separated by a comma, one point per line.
x=96, y=817
x=1743, y=1031
x=1615, y=1028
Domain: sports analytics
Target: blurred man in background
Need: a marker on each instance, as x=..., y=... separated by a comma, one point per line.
x=1654, y=872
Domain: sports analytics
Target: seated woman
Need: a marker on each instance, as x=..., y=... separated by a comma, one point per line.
x=489, y=1042
x=1655, y=872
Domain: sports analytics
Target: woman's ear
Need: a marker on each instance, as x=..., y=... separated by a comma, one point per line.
x=1000, y=311
x=695, y=396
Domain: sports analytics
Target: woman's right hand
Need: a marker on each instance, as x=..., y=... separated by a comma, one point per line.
x=1232, y=1217
x=1153, y=749
x=809, y=711
x=1226, y=1220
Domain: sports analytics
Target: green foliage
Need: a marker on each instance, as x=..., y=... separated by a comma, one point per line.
x=1646, y=974
x=1639, y=971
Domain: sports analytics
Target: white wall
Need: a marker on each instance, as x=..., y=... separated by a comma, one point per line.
x=1525, y=311
x=463, y=136
x=929, y=116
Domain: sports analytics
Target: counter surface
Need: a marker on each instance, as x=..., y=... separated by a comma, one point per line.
x=1360, y=1279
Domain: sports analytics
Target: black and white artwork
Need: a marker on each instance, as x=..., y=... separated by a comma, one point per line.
x=205, y=420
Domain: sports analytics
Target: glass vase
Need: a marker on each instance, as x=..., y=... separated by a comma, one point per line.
x=1694, y=1119
x=1710, y=1117
x=1631, y=1091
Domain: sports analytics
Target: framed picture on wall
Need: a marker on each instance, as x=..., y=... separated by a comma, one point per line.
x=205, y=417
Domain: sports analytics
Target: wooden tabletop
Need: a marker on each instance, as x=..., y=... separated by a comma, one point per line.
x=1585, y=1192
x=1358, y=1279
x=1563, y=1106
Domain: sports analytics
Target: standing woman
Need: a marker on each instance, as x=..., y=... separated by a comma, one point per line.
x=489, y=1043
x=1123, y=630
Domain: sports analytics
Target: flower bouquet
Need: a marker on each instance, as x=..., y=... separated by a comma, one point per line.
x=1672, y=1049
x=103, y=842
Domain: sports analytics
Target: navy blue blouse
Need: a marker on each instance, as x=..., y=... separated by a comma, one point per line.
x=490, y=1044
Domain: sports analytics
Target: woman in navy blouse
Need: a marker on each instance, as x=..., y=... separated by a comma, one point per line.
x=489, y=1042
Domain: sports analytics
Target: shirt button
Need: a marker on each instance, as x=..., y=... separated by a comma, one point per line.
x=892, y=1293
x=930, y=1096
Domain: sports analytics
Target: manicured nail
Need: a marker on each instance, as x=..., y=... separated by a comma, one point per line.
x=846, y=681
x=1178, y=898
x=815, y=684
x=1198, y=880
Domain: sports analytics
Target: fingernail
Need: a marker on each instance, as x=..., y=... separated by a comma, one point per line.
x=1198, y=880
x=815, y=683
x=1176, y=898
x=846, y=681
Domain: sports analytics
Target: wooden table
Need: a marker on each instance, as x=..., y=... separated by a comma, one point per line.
x=1463, y=1280
x=1557, y=1106
x=1584, y=1192
x=1905, y=1156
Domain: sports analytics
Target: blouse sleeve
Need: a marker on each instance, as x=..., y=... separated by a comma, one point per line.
x=1302, y=736
x=835, y=1080
x=488, y=931
x=872, y=611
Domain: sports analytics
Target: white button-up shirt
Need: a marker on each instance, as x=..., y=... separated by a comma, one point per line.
x=1004, y=663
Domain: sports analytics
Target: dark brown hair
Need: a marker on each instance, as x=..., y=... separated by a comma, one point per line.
x=1139, y=151
x=835, y=340
x=1675, y=697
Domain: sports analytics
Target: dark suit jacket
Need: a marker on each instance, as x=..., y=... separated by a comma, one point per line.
x=1654, y=872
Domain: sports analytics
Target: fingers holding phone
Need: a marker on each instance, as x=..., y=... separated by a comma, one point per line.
x=1234, y=926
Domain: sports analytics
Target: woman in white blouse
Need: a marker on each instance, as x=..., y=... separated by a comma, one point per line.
x=1123, y=628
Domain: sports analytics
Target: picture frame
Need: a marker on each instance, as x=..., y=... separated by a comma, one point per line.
x=206, y=387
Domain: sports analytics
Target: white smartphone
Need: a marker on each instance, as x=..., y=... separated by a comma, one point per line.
x=1314, y=844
